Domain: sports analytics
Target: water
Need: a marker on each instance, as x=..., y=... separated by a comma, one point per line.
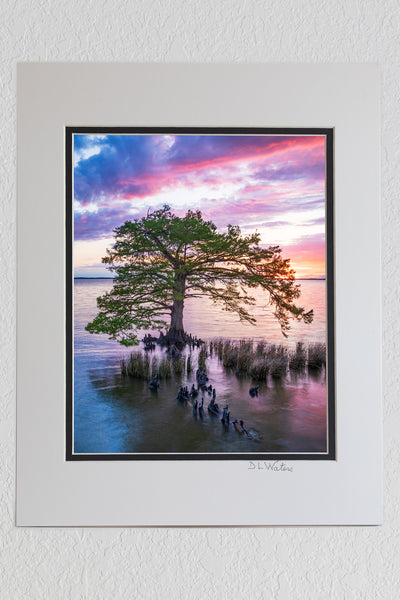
x=116, y=414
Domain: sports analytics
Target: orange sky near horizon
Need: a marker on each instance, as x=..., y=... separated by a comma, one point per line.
x=271, y=184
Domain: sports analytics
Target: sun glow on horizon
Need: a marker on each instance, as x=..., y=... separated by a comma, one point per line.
x=272, y=184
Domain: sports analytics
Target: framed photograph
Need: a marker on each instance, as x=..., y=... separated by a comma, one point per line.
x=194, y=247
x=194, y=251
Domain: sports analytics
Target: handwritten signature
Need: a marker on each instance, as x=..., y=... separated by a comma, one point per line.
x=275, y=466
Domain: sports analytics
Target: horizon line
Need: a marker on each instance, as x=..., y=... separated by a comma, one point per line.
x=296, y=279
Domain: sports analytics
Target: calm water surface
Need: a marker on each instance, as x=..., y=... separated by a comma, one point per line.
x=116, y=414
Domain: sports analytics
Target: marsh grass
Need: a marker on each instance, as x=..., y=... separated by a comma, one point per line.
x=217, y=346
x=140, y=366
x=277, y=358
x=316, y=356
x=134, y=366
x=203, y=355
x=278, y=367
x=259, y=369
x=256, y=360
x=247, y=359
x=261, y=348
x=297, y=359
x=165, y=368
x=178, y=365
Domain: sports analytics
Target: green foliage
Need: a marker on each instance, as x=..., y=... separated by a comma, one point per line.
x=161, y=259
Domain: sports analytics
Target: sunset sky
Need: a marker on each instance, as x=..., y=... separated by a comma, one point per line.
x=272, y=184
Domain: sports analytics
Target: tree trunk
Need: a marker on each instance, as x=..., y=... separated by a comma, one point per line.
x=176, y=334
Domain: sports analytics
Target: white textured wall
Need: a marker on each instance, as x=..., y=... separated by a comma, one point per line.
x=294, y=563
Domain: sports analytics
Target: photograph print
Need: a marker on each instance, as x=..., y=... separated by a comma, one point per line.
x=199, y=294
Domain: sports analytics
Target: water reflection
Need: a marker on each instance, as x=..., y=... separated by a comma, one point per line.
x=117, y=414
